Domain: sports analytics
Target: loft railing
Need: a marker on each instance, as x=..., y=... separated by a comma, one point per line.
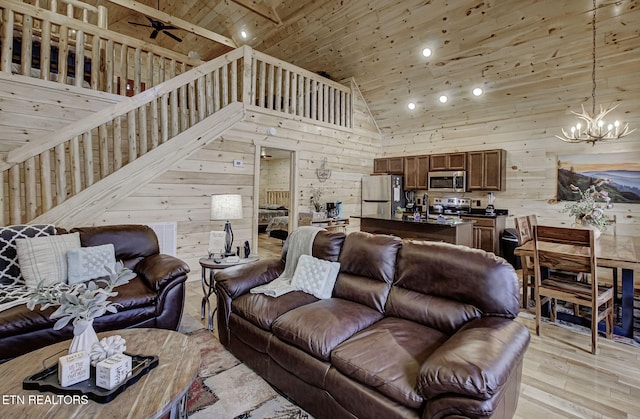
x=77, y=49
x=46, y=172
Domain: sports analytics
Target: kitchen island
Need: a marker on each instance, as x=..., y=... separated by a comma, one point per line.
x=454, y=231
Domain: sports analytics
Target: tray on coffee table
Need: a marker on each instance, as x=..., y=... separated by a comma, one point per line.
x=47, y=380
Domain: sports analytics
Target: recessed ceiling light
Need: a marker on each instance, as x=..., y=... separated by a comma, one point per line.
x=411, y=105
x=426, y=52
x=477, y=91
x=243, y=34
x=443, y=99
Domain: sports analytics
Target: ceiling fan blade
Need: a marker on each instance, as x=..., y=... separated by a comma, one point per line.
x=152, y=21
x=168, y=27
x=141, y=24
x=154, y=34
x=169, y=34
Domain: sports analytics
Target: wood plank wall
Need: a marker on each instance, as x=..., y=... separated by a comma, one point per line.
x=31, y=108
x=275, y=175
x=182, y=193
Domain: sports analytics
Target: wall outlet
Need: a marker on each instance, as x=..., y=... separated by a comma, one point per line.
x=478, y=203
x=238, y=163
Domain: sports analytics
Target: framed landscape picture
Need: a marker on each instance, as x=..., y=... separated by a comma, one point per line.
x=582, y=170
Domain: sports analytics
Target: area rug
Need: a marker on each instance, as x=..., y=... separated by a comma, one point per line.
x=227, y=389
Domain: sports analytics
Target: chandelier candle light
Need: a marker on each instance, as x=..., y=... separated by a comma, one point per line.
x=226, y=207
x=595, y=128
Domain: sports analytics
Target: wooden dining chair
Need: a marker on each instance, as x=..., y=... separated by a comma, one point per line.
x=525, y=234
x=570, y=250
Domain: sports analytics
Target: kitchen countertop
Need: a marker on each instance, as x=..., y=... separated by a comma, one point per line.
x=451, y=221
x=480, y=212
x=455, y=230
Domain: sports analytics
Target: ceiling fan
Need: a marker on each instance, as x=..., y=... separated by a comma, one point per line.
x=158, y=27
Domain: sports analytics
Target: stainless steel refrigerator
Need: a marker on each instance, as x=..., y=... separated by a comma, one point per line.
x=381, y=195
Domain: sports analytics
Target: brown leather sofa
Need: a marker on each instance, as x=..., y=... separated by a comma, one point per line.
x=154, y=298
x=413, y=330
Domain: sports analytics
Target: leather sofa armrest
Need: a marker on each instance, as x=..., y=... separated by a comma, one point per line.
x=476, y=361
x=159, y=270
x=238, y=280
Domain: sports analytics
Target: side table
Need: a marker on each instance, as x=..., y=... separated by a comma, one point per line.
x=208, y=284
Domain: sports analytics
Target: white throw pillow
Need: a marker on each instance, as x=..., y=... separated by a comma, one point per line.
x=315, y=276
x=45, y=258
x=86, y=263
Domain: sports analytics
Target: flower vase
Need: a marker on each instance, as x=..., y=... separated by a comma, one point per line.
x=84, y=336
x=580, y=223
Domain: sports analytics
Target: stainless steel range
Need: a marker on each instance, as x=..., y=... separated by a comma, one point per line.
x=450, y=206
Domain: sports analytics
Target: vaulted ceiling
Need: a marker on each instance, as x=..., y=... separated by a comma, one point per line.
x=527, y=55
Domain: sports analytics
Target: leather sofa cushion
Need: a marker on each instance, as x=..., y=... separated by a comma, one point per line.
x=19, y=320
x=262, y=310
x=362, y=290
x=370, y=255
x=459, y=273
x=438, y=313
x=326, y=245
x=319, y=327
x=367, y=268
x=132, y=242
x=387, y=356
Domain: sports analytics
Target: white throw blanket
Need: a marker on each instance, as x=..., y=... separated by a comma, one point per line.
x=300, y=243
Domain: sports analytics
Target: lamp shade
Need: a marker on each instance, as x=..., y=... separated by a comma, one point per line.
x=226, y=207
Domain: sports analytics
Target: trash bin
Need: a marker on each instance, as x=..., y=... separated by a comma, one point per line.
x=508, y=243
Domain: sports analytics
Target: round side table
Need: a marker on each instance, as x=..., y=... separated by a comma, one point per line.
x=208, y=283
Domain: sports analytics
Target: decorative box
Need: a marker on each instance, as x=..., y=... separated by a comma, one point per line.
x=73, y=368
x=113, y=371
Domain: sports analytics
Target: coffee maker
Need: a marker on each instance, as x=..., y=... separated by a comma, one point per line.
x=410, y=201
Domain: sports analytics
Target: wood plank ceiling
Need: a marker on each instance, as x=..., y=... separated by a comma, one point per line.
x=529, y=55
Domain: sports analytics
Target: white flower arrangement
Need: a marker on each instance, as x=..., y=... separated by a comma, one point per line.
x=590, y=208
x=80, y=303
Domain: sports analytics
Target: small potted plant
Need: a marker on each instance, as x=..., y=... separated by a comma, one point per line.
x=81, y=303
x=316, y=206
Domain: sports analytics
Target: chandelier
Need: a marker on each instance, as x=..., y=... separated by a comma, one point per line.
x=593, y=126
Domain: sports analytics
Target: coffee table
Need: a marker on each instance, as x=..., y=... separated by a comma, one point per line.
x=162, y=390
x=208, y=282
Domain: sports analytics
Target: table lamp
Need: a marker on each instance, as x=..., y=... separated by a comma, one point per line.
x=226, y=207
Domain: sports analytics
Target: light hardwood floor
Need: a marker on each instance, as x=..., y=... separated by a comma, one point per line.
x=561, y=379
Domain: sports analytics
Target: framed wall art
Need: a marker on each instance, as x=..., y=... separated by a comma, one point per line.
x=582, y=170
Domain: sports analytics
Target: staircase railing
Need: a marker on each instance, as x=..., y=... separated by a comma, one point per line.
x=46, y=172
x=40, y=42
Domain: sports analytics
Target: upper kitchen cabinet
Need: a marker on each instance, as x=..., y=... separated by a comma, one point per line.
x=450, y=161
x=486, y=170
x=415, y=172
x=389, y=165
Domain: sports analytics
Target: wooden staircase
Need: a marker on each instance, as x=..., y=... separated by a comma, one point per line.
x=88, y=166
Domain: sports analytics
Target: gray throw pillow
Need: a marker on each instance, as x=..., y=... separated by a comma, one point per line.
x=86, y=263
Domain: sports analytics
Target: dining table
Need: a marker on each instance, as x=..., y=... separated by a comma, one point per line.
x=617, y=251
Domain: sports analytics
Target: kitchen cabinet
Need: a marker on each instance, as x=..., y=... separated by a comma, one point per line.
x=416, y=169
x=389, y=165
x=486, y=170
x=487, y=231
x=450, y=161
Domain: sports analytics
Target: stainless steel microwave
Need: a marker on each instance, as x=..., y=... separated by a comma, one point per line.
x=447, y=181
